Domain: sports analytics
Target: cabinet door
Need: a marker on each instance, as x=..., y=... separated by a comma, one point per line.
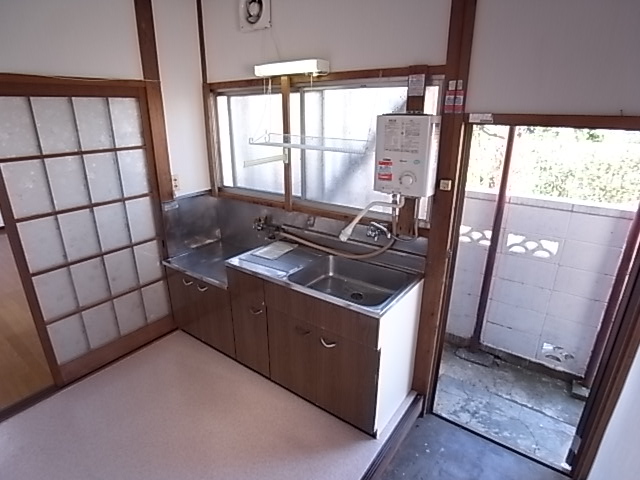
x=348, y=379
x=213, y=324
x=181, y=289
x=249, y=320
x=293, y=354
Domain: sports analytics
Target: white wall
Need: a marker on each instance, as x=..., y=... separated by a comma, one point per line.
x=89, y=38
x=351, y=34
x=180, y=74
x=618, y=454
x=550, y=56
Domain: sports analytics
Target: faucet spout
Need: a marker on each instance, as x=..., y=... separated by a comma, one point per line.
x=345, y=234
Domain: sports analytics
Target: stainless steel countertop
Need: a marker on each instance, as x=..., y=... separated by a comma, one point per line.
x=278, y=270
x=206, y=263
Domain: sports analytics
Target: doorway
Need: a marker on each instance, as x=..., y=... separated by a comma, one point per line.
x=24, y=371
x=545, y=240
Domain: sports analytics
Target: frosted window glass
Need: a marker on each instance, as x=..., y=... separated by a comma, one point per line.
x=156, y=301
x=68, y=338
x=68, y=183
x=94, y=124
x=55, y=293
x=42, y=243
x=127, y=126
x=90, y=281
x=100, y=323
x=112, y=226
x=27, y=187
x=148, y=262
x=79, y=234
x=56, y=124
x=104, y=181
x=130, y=312
x=133, y=171
x=141, y=221
x=17, y=131
x=121, y=270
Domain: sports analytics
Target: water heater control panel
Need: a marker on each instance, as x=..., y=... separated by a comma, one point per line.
x=407, y=154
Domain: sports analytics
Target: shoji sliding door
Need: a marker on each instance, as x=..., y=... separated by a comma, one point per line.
x=79, y=184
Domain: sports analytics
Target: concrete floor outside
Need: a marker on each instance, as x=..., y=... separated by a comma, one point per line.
x=528, y=411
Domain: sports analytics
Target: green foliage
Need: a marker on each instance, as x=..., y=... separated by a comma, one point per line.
x=600, y=166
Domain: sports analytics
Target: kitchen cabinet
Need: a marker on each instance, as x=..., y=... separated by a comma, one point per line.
x=203, y=310
x=249, y=320
x=334, y=372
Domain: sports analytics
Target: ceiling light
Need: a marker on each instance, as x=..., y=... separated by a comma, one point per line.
x=311, y=66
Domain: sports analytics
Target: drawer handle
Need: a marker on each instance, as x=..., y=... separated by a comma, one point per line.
x=328, y=345
x=255, y=311
x=302, y=331
x=201, y=288
x=186, y=283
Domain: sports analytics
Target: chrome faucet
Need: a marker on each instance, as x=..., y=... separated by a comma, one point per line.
x=376, y=229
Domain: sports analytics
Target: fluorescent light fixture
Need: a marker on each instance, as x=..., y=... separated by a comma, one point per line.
x=310, y=66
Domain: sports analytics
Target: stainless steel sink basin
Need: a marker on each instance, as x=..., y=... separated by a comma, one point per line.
x=353, y=281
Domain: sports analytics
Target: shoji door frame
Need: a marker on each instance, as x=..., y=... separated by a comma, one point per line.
x=32, y=86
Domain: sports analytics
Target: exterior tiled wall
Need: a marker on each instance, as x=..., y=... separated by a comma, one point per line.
x=554, y=270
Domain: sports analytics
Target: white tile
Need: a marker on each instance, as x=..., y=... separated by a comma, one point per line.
x=577, y=309
x=68, y=182
x=103, y=175
x=467, y=283
x=566, y=345
x=42, y=243
x=27, y=188
x=514, y=317
x=141, y=219
x=79, y=234
x=113, y=228
x=148, y=262
x=592, y=257
x=510, y=340
x=478, y=213
x=608, y=231
x=55, y=293
x=18, y=133
x=90, y=280
x=464, y=305
x=461, y=325
x=471, y=257
x=100, y=323
x=130, y=312
x=540, y=222
x=56, y=124
x=133, y=171
x=121, y=271
x=520, y=295
x=584, y=284
x=68, y=338
x=543, y=248
x=525, y=270
x=156, y=301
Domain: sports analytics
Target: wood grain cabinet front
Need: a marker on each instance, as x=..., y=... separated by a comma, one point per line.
x=204, y=311
x=249, y=320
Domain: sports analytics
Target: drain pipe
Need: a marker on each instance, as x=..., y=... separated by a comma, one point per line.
x=493, y=245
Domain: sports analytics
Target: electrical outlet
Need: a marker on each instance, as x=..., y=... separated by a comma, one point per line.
x=175, y=182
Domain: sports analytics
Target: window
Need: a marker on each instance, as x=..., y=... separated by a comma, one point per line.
x=340, y=116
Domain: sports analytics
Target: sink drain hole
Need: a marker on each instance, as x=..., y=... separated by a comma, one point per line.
x=357, y=296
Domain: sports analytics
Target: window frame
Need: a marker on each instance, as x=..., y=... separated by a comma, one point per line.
x=434, y=76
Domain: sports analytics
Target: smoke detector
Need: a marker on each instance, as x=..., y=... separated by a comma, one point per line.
x=254, y=14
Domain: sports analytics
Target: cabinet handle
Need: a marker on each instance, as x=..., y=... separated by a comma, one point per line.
x=302, y=331
x=202, y=289
x=328, y=345
x=255, y=311
x=187, y=283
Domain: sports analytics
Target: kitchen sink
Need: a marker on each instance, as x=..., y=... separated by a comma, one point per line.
x=353, y=281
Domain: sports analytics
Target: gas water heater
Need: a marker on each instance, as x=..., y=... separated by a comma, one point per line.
x=407, y=154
